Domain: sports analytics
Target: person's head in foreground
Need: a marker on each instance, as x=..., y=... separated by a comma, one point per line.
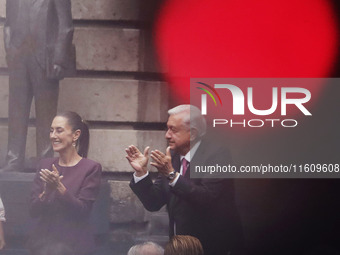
x=183, y=245
x=147, y=248
x=50, y=247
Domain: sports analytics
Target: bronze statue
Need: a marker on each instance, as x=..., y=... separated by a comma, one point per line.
x=38, y=42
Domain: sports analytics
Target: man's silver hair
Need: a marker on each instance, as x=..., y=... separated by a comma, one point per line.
x=192, y=119
x=144, y=249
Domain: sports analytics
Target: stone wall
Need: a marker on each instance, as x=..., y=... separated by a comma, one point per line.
x=119, y=90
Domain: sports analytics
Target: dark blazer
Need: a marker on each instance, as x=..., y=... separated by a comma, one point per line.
x=33, y=26
x=204, y=208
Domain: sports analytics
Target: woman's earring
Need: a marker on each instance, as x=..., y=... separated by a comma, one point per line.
x=74, y=144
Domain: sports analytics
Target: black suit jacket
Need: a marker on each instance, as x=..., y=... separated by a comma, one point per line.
x=204, y=208
x=34, y=26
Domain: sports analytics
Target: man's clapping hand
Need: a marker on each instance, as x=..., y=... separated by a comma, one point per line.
x=137, y=160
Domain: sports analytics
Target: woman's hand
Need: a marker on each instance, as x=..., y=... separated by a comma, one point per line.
x=52, y=180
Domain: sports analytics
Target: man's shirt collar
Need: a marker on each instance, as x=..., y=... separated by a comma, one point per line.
x=191, y=153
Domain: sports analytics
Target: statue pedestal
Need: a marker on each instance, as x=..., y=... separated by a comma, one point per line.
x=15, y=189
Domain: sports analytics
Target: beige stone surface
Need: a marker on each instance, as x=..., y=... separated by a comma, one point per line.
x=2, y=49
x=98, y=9
x=100, y=49
x=106, y=9
x=108, y=146
x=3, y=145
x=149, y=61
x=3, y=96
x=100, y=99
x=107, y=49
x=115, y=100
x=153, y=101
x=124, y=206
x=2, y=8
x=106, y=99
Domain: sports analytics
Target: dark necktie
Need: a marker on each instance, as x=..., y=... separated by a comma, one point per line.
x=185, y=165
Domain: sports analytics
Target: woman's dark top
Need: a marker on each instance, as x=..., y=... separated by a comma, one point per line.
x=65, y=218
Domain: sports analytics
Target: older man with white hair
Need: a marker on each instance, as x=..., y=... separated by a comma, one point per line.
x=204, y=208
x=147, y=248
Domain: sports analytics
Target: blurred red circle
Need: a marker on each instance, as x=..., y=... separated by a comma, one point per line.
x=244, y=38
